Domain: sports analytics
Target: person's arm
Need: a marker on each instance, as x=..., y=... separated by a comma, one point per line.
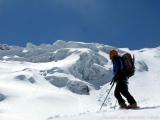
x=116, y=68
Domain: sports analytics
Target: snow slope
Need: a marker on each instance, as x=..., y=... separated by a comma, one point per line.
x=145, y=86
x=69, y=81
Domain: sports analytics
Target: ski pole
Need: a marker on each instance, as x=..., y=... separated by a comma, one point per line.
x=106, y=96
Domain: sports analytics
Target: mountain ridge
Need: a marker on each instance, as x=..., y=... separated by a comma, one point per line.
x=70, y=79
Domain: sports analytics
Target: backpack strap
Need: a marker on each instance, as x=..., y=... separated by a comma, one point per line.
x=122, y=64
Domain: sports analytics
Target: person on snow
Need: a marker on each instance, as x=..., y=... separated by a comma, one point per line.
x=121, y=82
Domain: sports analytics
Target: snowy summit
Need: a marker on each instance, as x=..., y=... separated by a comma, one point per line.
x=69, y=81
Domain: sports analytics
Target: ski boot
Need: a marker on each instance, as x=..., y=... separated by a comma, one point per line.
x=123, y=105
x=133, y=106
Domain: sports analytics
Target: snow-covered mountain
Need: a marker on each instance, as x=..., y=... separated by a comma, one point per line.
x=69, y=81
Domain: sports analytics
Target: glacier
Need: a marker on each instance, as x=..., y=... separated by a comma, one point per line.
x=69, y=81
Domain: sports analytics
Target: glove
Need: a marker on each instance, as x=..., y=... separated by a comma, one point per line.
x=116, y=77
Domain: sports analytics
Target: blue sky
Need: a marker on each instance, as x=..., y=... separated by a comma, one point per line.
x=122, y=23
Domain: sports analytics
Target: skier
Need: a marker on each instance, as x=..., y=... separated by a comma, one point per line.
x=121, y=82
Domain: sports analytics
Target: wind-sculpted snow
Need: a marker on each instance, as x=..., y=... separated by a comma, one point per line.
x=78, y=87
x=13, y=53
x=53, y=70
x=62, y=44
x=89, y=65
x=57, y=81
x=24, y=78
x=142, y=66
x=69, y=81
x=4, y=47
x=2, y=97
x=46, y=53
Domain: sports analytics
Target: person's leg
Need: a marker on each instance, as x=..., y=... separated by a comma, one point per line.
x=124, y=91
x=118, y=96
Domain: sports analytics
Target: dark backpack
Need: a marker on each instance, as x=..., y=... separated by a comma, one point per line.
x=128, y=64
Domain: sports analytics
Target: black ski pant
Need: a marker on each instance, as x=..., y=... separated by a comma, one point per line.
x=122, y=89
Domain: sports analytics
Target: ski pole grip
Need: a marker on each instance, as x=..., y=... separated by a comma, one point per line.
x=112, y=82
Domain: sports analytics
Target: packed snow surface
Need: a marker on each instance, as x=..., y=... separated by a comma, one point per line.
x=69, y=81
